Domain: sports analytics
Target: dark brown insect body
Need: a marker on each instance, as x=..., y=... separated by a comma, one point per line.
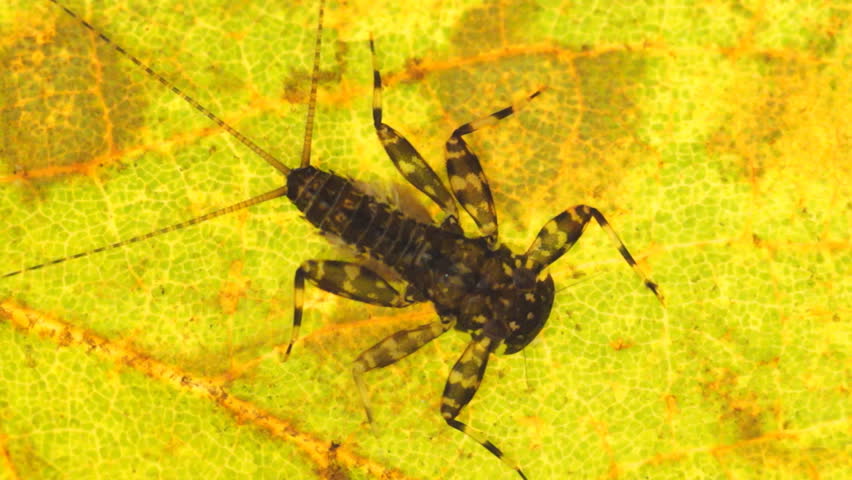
x=500, y=298
x=478, y=286
x=481, y=289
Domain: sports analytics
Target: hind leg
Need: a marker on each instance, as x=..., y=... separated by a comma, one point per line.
x=407, y=159
x=346, y=279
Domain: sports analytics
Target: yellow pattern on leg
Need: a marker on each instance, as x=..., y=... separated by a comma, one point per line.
x=461, y=386
x=392, y=349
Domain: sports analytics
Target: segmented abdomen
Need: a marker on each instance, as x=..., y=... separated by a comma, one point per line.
x=334, y=205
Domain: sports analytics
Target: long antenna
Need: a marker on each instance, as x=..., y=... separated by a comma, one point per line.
x=312, y=102
x=278, y=192
x=171, y=86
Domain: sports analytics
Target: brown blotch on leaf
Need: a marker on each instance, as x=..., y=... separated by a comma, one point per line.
x=72, y=102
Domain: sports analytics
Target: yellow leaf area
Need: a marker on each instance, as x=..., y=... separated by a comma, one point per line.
x=713, y=136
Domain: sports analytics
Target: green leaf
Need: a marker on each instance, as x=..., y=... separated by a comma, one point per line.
x=715, y=138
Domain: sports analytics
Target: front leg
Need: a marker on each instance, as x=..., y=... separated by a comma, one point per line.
x=461, y=386
x=559, y=235
x=346, y=279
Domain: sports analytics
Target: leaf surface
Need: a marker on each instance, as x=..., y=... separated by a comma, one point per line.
x=714, y=138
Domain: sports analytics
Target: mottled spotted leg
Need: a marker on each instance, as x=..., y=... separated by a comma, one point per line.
x=407, y=159
x=462, y=385
x=559, y=235
x=392, y=349
x=346, y=279
x=467, y=180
